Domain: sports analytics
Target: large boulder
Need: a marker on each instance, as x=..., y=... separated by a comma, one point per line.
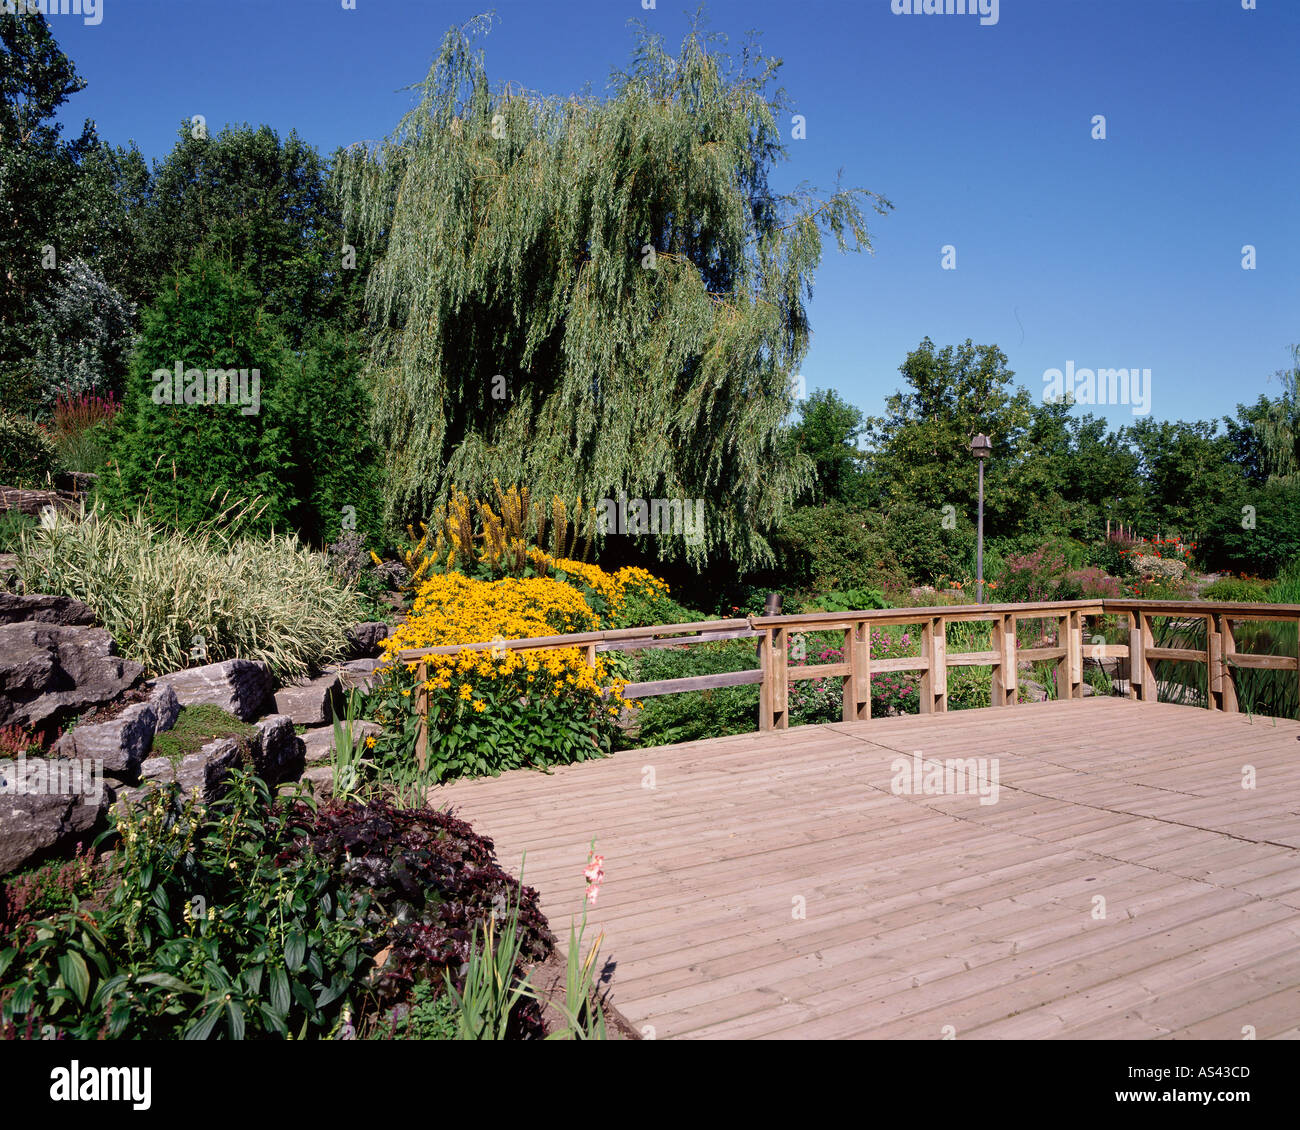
x=310, y=703
x=121, y=743
x=44, y=609
x=35, y=826
x=204, y=772
x=318, y=745
x=50, y=673
x=359, y=674
x=364, y=639
x=166, y=707
x=241, y=687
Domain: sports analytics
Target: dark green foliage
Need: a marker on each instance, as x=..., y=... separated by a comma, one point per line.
x=186, y=462
x=305, y=453
x=256, y=919
x=39, y=171
x=835, y=546
x=1257, y=531
x=27, y=455
x=827, y=432
x=430, y=881
x=923, y=546
x=209, y=930
x=695, y=715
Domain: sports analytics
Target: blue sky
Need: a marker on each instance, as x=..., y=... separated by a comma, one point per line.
x=1124, y=252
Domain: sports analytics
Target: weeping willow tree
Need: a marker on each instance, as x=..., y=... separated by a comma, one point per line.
x=1279, y=428
x=594, y=296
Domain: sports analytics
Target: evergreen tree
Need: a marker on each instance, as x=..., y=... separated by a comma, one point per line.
x=184, y=461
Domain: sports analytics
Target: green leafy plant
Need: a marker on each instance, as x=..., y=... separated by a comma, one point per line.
x=208, y=930
x=27, y=455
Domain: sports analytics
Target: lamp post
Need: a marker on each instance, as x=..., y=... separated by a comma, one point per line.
x=981, y=448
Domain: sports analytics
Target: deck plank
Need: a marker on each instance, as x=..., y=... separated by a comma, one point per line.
x=775, y=886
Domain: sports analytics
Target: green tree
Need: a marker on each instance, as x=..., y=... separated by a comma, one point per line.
x=920, y=449
x=594, y=296
x=38, y=170
x=826, y=432
x=184, y=462
x=263, y=202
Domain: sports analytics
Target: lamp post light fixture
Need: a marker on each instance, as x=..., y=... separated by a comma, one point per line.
x=981, y=447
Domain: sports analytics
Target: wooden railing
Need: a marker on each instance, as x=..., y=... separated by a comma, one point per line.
x=1071, y=645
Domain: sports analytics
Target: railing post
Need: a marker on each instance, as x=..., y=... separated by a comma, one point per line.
x=780, y=673
x=857, y=683
x=422, y=709
x=1227, y=645
x=1002, y=639
x=1142, y=671
x=925, y=684
x=1213, y=663
x=765, y=687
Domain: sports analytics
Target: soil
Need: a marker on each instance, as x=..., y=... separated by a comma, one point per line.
x=549, y=978
x=110, y=711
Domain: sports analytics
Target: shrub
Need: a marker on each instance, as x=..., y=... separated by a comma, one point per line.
x=172, y=600
x=428, y=881
x=1239, y=590
x=1037, y=576
x=922, y=546
x=836, y=547
x=175, y=458
x=1111, y=555
x=1092, y=582
x=27, y=455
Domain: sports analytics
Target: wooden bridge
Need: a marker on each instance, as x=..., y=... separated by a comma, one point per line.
x=1085, y=868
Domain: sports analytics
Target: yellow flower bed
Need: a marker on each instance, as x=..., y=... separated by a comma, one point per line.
x=451, y=609
x=613, y=587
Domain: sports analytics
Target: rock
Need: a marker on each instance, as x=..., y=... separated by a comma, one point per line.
x=44, y=609
x=321, y=780
x=49, y=673
x=277, y=749
x=166, y=707
x=1088, y=689
x=311, y=703
x=239, y=686
x=318, y=745
x=360, y=674
x=32, y=502
x=36, y=826
x=364, y=639
x=1031, y=691
x=204, y=771
x=122, y=743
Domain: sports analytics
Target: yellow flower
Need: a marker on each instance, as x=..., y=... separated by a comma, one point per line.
x=479, y=706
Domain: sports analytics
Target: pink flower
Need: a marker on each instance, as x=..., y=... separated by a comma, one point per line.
x=592, y=892
x=595, y=872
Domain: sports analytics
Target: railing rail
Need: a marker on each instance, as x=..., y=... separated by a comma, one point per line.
x=1067, y=654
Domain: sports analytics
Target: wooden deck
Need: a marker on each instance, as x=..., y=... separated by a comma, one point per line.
x=933, y=916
